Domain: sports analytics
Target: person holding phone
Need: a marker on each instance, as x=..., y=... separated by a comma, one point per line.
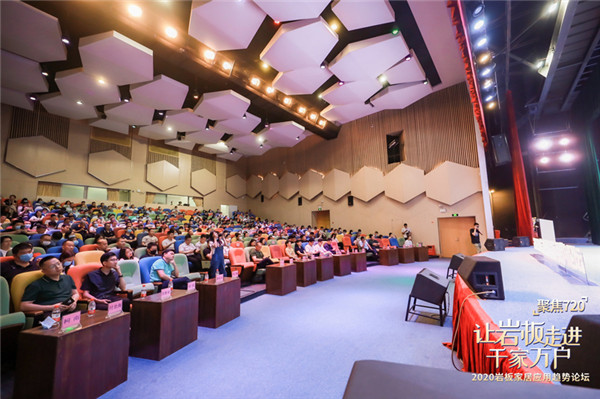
x=217, y=258
x=475, y=237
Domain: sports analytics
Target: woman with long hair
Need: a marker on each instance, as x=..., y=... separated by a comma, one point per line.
x=217, y=259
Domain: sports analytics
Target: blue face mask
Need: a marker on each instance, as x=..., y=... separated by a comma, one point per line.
x=25, y=257
x=67, y=263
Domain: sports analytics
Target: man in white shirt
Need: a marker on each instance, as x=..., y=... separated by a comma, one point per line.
x=320, y=249
x=311, y=247
x=192, y=252
x=405, y=231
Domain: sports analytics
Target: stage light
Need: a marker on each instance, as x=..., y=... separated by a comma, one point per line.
x=484, y=58
x=196, y=94
x=134, y=10
x=264, y=65
x=322, y=123
x=552, y=8
x=209, y=55
x=425, y=82
x=227, y=66
x=44, y=73
x=491, y=105
x=101, y=81
x=79, y=102
x=544, y=160
x=564, y=141
x=566, y=157
x=408, y=58
x=481, y=42
x=270, y=90
x=382, y=79
x=478, y=10
x=301, y=110
x=313, y=116
x=489, y=98
x=171, y=32
x=65, y=40
x=487, y=71
x=32, y=98
x=323, y=65
x=488, y=83
x=478, y=24
x=244, y=116
x=543, y=144
x=540, y=64
x=287, y=101
x=334, y=26
x=276, y=22
x=255, y=82
x=341, y=83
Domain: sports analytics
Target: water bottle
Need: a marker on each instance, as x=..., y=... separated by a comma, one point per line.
x=91, y=308
x=56, y=313
x=143, y=294
x=171, y=284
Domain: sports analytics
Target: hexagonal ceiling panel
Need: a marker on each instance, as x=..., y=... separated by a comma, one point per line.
x=362, y=14
x=130, y=113
x=184, y=120
x=49, y=157
x=160, y=93
x=231, y=157
x=185, y=144
x=225, y=25
x=238, y=125
x=203, y=181
x=367, y=59
x=116, y=58
x=348, y=112
x=109, y=167
x=42, y=44
x=270, y=185
x=352, y=92
x=451, y=182
x=162, y=175
x=218, y=148
x=311, y=184
x=401, y=96
x=22, y=74
x=283, y=134
x=299, y=44
x=253, y=186
x=291, y=10
x=57, y=104
x=219, y=105
x=157, y=131
x=405, y=72
x=367, y=183
x=81, y=86
x=289, y=185
x=248, y=145
x=111, y=125
x=404, y=183
x=236, y=186
x=336, y=184
x=301, y=81
x=203, y=136
x=16, y=99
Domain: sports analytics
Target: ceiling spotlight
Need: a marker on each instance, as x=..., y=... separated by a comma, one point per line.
x=425, y=82
x=491, y=105
x=302, y=110
x=487, y=83
x=322, y=123
x=261, y=146
x=487, y=71
x=133, y=126
x=231, y=151
x=478, y=10
x=479, y=24
x=287, y=101
x=270, y=90
x=65, y=40
x=227, y=66
x=323, y=65
x=126, y=100
x=79, y=102
x=320, y=96
x=484, y=58
x=134, y=10
x=395, y=31
x=170, y=129
x=267, y=125
x=334, y=26
x=341, y=83
x=171, y=32
x=264, y=65
x=313, y=116
x=207, y=125
x=297, y=138
x=196, y=94
x=209, y=55
x=481, y=42
x=276, y=22
x=543, y=144
x=255, y=82
x=540, y=64
x=32, y=98
x=101, y=81
x=244, y=116
x=489, y=98
x=382, y=79
x=44, y=73
x=544, y=160
x=161, y=113
x=564, y=141
x=566, y=157
x=408, y=58
x=552, y=8
x=261, y=139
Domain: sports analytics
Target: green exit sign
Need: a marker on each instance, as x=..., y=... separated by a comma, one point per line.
x=320, y=209
x=454, y=215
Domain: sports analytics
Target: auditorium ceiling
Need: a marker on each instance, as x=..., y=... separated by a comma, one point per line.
x=232, y=78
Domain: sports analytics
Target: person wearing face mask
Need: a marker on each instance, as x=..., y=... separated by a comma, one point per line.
x=151, y=250
x=67, y=258
x=130, y=237
x=23, y=254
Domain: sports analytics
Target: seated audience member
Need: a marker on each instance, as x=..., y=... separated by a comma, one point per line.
x=149, y=238
x=289, y=250
x=6, y=245
x=102, y=244
x=129, y=237
x=80, y=227
x=298, y=249
x=373, y=242
x=126, y=254
x=408, y=242
x=363, y=245
x=165, y=270
x=45, y=241
x=68, y=246
x=192, y=252
x=53, y=289
x=56, y=237
x=169, y=242
x=37, y=217
x=119, y=245
x=100, y=284
x=320, y=249
x=151, y=250
x=109, y=233
x=67, y=258
x=258, y=257
x=22, y=262
x=331, y=248
x=310, y=248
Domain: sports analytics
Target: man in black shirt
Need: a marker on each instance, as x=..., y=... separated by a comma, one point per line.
x=100, y=284
x=475, y=237
x=22, y=262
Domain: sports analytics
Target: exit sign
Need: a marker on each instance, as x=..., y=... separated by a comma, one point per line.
x=454, y=215
x=320, y=209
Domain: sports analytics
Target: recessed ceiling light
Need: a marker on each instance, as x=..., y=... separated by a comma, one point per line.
x=79, y=102
x=564, y=141
x=341, y=83
x=101, y=81
x=133, y=126
x=287, y=101
x=270, y=90
x=255, y=82
x=322, y=123
x=382, y=79
x=134, y=10
x=302, y=110
x=227, y=65
x=169, y=128
x=395, y=31
x=313, y=116
x=425, y=82
x=171, y=32
x=334, y=26
x=44, y=73
x=544, y=160
x=264, y=65
x=244, y=116
x=65, y=40
x=320, y=95
x=276, y=22
x=209, y=55
x=126, y=100
x=32, y=98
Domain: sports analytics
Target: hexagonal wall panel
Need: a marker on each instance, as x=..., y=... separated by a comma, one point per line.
x=203, y=181
x=404, y=183
x=289, y=185
x=270, y=185
x=367, y=183
x=109, y=166
x=311, y=184
x=36, y=155
x=236, y=186
x=253, y=186
x=162, y=175
x=336, y=184
x=451, y=182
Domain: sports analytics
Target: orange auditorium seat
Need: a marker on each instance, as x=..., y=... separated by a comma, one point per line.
x=238, y=262
x=276, y=252
x=348, y=243
x=88, y=247
x=78, y=273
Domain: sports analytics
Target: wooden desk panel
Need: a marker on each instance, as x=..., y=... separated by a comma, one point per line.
x=306, y=272
x=358, y=261
x=406, y=255
x=342, y=265
x=281, y=280
x=421, y=254
x=388, y=257
x=324, y=268
x=219, y=303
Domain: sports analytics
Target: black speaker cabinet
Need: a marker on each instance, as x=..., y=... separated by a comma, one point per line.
x=299, y=201
x=454, y=264
x=430, y=287
x=585, y=357
x=495, y=244
x=483, y=274
x=521, y=242
x=350, y=200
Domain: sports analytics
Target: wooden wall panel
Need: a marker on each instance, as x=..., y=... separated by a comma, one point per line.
x=25, y=123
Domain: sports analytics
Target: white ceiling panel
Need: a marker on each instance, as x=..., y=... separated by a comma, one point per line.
x=301, y=81
x=116, y=58
x=57, y=104
x=292, y=10
x=401, y=96
x=238, y=125
x=348, y=112
x=231, y=157
x=299, y=44
x=219, y=105
x=79, y=85
x=369, y=58
x=219, y=148
x=248, y=145
x=364, y=13
x=283, y=134
x=157, y=131
x=111, y=125
x=130, y=113
x=184, y=120
x=31, y=33
x=185, y=144
x=160, y=93
x=406, y=72
x=352, y=92
x=22, y=74
x=225, y=24
x=204, y=136
x=16, y=99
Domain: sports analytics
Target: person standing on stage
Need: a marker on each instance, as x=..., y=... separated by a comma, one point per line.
x=475, y=237
x=405, y=231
